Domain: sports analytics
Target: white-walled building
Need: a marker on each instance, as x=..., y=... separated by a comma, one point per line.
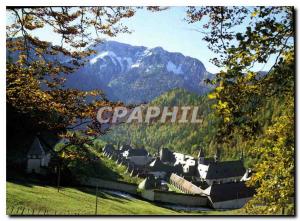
x=38, y=157
x=138, y=156
x=213, y=171
x=229, y=195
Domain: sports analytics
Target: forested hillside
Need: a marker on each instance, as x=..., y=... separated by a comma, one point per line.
x=188, y=137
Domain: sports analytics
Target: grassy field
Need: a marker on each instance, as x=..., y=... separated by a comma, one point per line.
x=30, y=199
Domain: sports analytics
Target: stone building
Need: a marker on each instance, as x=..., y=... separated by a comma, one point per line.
x=229, y=195
x=138, y=156
x=179, y=160
x=221, y=182
x=150, y=182
x=216, y=171
x=38, y=157
x=163, y=170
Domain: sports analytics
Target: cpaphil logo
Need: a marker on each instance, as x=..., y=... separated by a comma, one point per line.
x=148, y=114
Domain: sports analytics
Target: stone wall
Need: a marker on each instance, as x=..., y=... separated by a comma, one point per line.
x=151, y=195
x=230, y=204
x=108, y=184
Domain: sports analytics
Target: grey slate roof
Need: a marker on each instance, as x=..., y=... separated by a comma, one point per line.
x=166, y=155
x=125, y=147
x=137, y=152
x=202, y=184
x=218, y=170
x=36, y=148
x=230, y=191
x=149, y=183
x=158, y=165
x=209, y=160
x=44, y=142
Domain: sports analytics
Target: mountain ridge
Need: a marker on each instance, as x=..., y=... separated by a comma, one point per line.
x=137, y=74
x=133, y=74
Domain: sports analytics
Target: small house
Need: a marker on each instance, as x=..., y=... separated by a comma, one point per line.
x=38, y=157
x=150, y=182
x=163, y=170
x=229, y=195
x=222, y=172
x=138, y=156
x=216, y=171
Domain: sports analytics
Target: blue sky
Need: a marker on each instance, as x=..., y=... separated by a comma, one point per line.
x=166, y=29
x=169, y=30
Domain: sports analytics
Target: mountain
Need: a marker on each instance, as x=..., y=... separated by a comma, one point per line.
x=136, y=74
x=133, y=74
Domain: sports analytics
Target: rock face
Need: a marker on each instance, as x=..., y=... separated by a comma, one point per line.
x=135, y=74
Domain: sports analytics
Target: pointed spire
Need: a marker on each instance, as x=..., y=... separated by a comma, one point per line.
x=158, y=151
x=201, y=156
x=201, y=153
x=217, y=154
x=242, y=155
